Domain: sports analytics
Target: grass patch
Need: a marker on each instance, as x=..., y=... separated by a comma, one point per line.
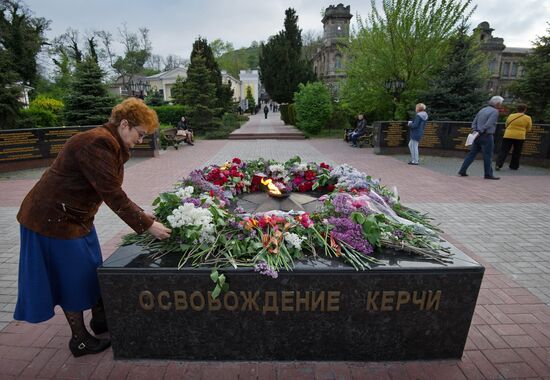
x=327, y=134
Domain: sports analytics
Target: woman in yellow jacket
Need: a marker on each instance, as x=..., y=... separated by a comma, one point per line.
x=517, y=125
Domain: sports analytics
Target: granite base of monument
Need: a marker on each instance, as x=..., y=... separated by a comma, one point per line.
x=323, y=310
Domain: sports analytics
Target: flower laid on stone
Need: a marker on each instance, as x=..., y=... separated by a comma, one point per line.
x=356, y=220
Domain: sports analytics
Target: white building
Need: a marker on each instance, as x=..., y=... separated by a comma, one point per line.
x=24, y=97
x=250, y=78
x=163, y=82
x=234, y=83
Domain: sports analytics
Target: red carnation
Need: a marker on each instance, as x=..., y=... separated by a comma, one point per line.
x=310, y=175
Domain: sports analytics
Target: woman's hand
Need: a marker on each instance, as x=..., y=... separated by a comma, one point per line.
x=159, y=231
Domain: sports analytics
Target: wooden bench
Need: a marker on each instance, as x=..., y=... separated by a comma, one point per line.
x=172, y=138
x=366, y=139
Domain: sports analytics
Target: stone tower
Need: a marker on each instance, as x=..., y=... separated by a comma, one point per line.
x=327, y=62
x=504, y=63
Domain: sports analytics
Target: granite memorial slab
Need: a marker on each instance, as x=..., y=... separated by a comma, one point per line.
x=407, y=309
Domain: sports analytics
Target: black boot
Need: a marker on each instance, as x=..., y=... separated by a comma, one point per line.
x=98, y=323
x=82, y=343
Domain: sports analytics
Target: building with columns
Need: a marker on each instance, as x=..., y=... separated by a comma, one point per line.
x=250, y=78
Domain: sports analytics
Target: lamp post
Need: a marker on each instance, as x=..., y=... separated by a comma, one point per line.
x=139, y=88
x=395, y=87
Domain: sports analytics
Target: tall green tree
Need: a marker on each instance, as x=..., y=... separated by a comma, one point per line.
x=223, y=91
x=282, y=67
x=88, y=102
x=220, y=47
x=178, y=91
x=533, y=87
x=250, y=98
x=22, y=37
x=456, y=91
x=200, y=95
x=9, y=93
x=137, y=51
x=406, y=41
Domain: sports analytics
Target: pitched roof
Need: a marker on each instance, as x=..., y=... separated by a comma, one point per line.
x=170, y=74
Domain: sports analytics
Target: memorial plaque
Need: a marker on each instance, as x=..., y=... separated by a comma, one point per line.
x=431, y=138
x=44, y=144
x=322, y=310
x=447, y=138
x=394, y=134
x=537, y=142
x=459, y=135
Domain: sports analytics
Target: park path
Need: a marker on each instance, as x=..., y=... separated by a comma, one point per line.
x=260, y=127
x=502, y=224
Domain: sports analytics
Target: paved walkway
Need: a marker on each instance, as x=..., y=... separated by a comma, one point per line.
x=502, y=224
x=272, y=127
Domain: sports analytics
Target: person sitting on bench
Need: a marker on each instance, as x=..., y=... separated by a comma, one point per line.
x=184, y=130
x=360, y=130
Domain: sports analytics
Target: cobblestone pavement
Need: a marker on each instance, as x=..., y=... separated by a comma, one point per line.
x=502, y=224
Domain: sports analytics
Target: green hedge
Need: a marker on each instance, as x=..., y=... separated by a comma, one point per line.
x=313, y=107
x=292, y=114
x=170, y=114
x=37, y=118
x=283, y=109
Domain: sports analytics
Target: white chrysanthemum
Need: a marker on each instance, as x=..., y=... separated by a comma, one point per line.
x=294, y=240
x=301, y=167
x=185, y=192
x=207, y=234
x=207, y=199
x=276, y=168
x=187, y=214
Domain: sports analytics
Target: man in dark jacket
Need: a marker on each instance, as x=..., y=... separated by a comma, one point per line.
x=266, y=110
x=360, y=130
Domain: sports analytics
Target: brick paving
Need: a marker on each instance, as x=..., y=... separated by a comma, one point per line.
x=502, y=224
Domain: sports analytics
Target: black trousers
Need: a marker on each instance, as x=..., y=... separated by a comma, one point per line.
x=516, y=152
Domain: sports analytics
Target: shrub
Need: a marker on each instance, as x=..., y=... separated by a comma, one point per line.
x=341, y=117
x=171, y=114
x=283, y=109
x=230, y=120
x=313, y=107
x=49, y=104
x=292, y=114
x=37, y=118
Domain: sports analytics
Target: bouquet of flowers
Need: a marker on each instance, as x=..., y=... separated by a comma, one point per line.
x=358, y=218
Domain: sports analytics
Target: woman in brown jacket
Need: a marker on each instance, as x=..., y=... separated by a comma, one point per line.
x=59, y=247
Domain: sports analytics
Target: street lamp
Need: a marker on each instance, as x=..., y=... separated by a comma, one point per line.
x=395, y=87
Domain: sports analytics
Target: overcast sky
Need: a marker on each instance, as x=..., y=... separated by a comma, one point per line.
x=175, y=24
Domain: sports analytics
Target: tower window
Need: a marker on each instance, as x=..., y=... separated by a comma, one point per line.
x=514, y=71
x=506, y=69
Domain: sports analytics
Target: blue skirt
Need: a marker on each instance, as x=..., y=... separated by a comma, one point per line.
x=56, y=272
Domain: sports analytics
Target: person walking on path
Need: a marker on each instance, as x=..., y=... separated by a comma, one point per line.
x=485, y=124
x=60, y=251
x=266, y=110
x=417, y=131
x=516, y=127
